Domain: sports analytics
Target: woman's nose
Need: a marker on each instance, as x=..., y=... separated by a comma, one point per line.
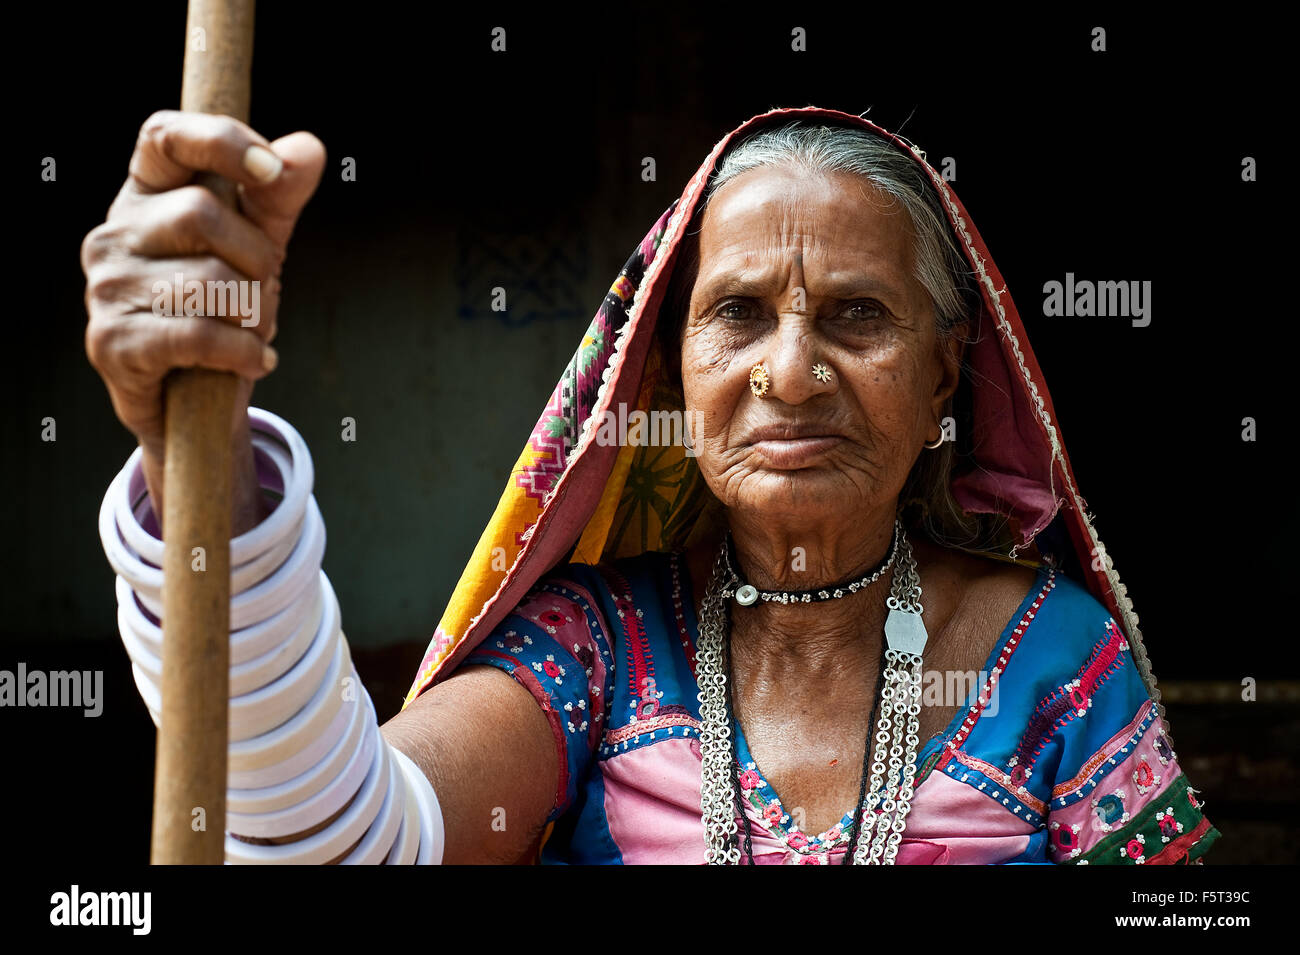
x=797, y=366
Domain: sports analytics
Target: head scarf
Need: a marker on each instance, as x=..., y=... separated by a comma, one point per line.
x=573, y=497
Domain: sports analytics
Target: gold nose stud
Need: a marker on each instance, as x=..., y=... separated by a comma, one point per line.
x=821, y=372
x=759, y=380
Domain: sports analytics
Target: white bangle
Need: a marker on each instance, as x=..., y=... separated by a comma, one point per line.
x=248, y=644
x=256, y=568
x=271, y=595
x=320, y=805
x=431, y=831
x=298, y=485
x=244, y=677
x=132, y=495
x=149, y=693
x=407, y=844
x=330, y=842
x=122, y=559
x=252, y=802
x=304, y=759
x=274, y=593
x=298, y=733
x=296, y=488
x=253, y=714
x=252, y=605
x=378, y=840
x=137, y=555
x=262, y=710
x=274, y=663
x=300, y=749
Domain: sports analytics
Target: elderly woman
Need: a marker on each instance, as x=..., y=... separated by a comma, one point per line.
x=800, y=633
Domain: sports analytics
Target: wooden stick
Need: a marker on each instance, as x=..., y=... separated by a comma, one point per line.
x=189, y=809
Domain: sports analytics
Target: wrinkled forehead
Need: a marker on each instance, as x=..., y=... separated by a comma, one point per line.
x=810, y=227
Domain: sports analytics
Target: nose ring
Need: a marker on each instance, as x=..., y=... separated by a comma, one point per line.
x=759, y=380
x=821, y=372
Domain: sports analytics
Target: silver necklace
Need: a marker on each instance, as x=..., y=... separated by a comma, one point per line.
x=884, y=810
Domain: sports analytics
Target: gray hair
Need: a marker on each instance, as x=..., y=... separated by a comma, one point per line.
x=938, y=265
x=817, y=150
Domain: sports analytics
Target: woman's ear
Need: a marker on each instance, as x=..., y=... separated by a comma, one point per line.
x=952, y=351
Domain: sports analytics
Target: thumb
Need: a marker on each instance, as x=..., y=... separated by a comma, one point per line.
x=275, y=206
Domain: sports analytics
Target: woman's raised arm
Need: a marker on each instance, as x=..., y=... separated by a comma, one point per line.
x=468, y=772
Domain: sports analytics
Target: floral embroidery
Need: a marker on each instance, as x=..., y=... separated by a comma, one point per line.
x=1110, y=810
x=1135, y=849
x=1163, y=750
x=582, y=708
x=758, y=794
x=1066, y=839
x=550, y=668
x=1145, y=777
x=1169, y=826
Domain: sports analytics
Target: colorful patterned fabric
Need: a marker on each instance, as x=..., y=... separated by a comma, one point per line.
x=1058, y=757
x=574, y=499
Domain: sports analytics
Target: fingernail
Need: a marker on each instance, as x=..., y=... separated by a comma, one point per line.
x=262, y=163
x=270, y=358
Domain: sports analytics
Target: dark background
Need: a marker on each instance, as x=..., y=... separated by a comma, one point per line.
x=523, y=169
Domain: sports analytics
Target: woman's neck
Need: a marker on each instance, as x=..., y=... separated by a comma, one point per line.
x=772, y=555
x=812, y=635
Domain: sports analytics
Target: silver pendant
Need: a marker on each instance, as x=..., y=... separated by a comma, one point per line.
x=905, y=632
x=746, y=595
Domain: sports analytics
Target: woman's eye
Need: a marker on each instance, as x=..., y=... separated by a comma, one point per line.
x=864, y=311
x=734, y=310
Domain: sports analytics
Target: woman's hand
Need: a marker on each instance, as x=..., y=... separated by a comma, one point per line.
x=162, y=225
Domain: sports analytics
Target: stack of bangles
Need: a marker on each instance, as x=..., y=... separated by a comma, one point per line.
x=304, y=739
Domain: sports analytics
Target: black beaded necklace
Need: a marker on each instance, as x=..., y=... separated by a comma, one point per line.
x=746, y=594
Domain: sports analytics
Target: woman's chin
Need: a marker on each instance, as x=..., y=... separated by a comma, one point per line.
x=806, y=494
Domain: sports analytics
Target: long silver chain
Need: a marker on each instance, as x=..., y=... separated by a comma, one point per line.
x=884, y=810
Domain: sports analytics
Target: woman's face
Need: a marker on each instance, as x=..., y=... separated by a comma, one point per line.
x=799, y=271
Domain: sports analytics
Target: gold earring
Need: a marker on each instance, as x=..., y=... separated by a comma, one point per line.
x=821, y=372
x=759, y=380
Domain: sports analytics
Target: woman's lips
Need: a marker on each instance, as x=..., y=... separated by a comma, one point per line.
x=793, y=453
